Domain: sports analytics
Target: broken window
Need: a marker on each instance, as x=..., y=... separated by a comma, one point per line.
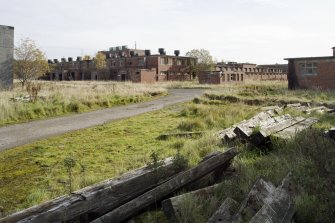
x=164, y=60
x=309, y=69
x=140, y=61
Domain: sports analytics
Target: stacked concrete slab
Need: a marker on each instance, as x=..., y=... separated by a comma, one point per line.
x=6, y=57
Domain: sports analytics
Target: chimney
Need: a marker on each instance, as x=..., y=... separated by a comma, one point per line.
x=176, y=52
x=333, y=51
x=147, y=52
x=70, y=59
x=161, y=51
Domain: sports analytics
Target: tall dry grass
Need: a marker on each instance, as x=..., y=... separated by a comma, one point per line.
x=57, y=98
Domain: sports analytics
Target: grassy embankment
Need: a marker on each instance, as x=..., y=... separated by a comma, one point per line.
x=34, y=173
x=61, y=98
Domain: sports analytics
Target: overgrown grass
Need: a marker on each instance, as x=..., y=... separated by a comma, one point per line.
x=109, y=150
x=34, y=173
x=59, y=98
x=269, y=93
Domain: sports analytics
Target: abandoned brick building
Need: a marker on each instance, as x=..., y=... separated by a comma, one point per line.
x=239, y=72
x=6, y=57
x=124, y=64
x=312, y=72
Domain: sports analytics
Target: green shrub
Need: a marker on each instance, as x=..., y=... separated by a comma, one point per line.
x=74, y=107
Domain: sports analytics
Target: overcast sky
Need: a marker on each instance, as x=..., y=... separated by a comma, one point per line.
x=258, y=31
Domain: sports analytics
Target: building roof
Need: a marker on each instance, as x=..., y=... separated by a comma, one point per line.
x=309, y=58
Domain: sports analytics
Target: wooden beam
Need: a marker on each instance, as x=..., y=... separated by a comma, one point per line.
x=93, y=201
x=225, y=212
x=171, y=206
x=158, y=193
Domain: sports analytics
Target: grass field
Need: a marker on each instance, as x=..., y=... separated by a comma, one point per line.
x=36, y=172
x=61, y=98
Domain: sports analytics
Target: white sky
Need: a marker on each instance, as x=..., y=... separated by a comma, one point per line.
x=258, y=31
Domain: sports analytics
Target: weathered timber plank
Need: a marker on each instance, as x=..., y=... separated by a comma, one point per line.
x=180, y=134
x=155, y=195
x=171, y=206
x=245, y=129
x=319, y=109
x=293, y=105
x=97, y=199
x=292, y=130
x=222, y=172
x=261, y=136
x=279, y=207
x=225, y=212
x=254, y=201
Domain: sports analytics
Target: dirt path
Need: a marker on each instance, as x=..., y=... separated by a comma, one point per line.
x=20, y=134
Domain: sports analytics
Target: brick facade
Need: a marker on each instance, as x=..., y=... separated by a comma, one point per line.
x=239, y=72
x=123, y=64
x=311, y=72
x=6, y=57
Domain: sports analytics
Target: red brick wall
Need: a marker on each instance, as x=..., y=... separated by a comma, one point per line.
x=325, y=78
x=208, y=78
x=148, y=76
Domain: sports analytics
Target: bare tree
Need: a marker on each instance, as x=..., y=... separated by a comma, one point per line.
x=30, y=62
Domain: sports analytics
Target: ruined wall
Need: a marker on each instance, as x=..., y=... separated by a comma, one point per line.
x=209, y=78
x=6, y=57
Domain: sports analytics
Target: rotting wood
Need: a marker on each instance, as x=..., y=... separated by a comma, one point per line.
x=254, y=201
x=180, y=134
x=293, y=130
x=155, y=195
x=261, y=136
x=93, y=201
x=171, y=206
x=225, y=212
x=245, y=129
x=222, y=172
x=279, y=207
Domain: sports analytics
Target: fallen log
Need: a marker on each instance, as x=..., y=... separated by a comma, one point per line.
x=292, y=130
x=225, y=212
x=245, y=129
x=171, y=206
x=279, y=207
x=254, y=201
x=158, y=193
x=261, y=136
x=93, y=201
